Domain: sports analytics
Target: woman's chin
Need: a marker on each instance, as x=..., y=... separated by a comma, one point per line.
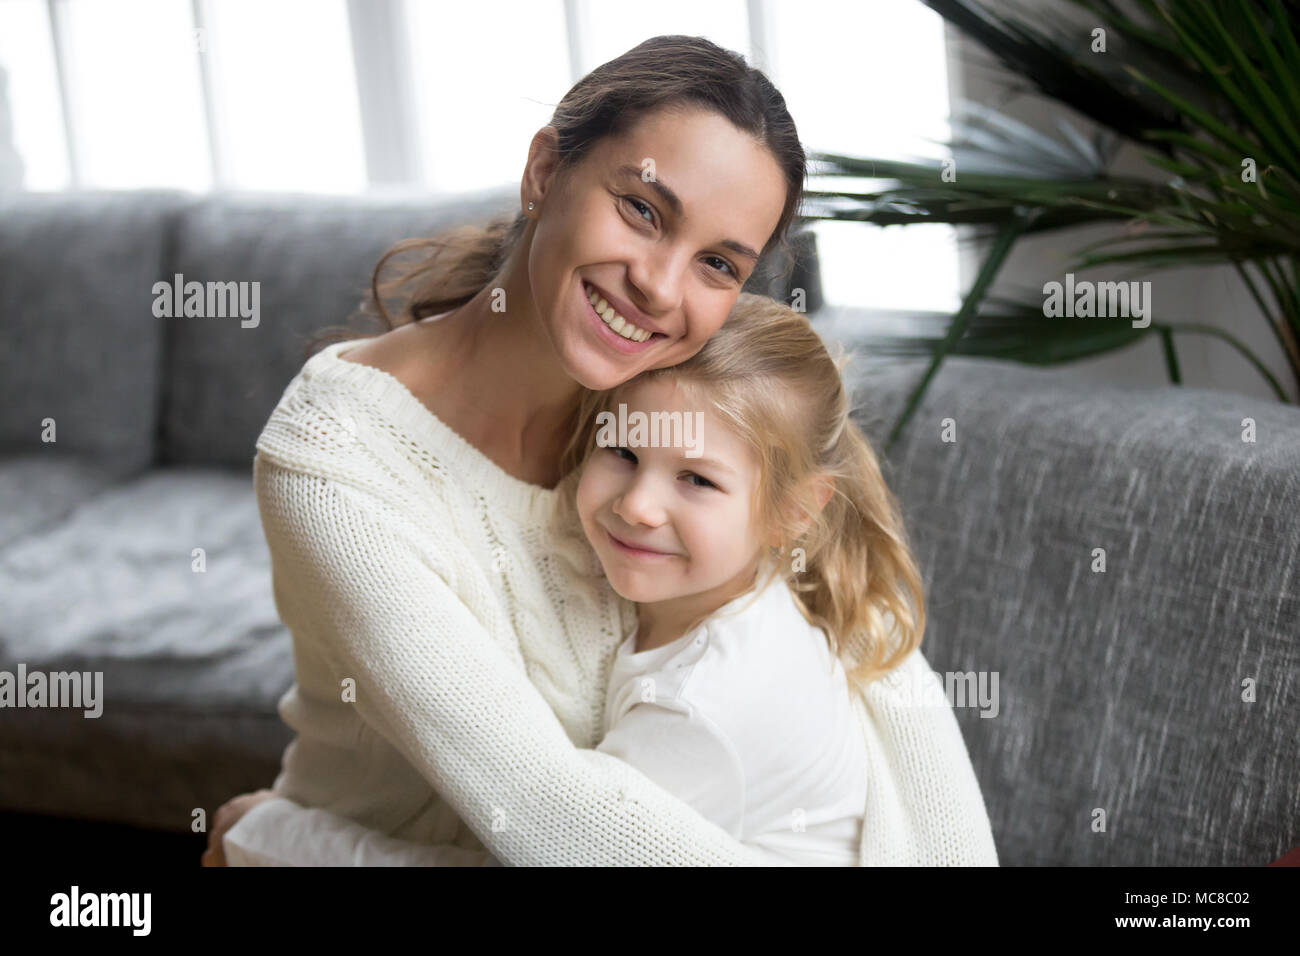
x=598, y=373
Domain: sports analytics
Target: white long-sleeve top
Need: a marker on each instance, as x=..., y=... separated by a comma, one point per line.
x=454, y=640
x=749, y=718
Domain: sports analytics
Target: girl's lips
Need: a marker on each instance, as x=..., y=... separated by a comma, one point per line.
x=608, y=334
x=634, y=551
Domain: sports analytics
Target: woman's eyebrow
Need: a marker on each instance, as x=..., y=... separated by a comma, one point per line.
x=675, y=204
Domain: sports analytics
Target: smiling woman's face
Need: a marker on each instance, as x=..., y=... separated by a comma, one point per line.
x=668, y=256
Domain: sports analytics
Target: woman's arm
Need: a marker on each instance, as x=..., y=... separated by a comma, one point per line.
x=684, y=753
x=931, y=813
x=432, y=681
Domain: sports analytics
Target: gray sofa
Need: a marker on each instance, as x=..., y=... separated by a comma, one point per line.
x=1118, y=691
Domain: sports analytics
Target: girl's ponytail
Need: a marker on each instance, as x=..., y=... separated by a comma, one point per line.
x=863, y=586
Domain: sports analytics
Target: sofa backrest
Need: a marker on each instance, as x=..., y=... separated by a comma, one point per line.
x=1125, y=691
x=311, y=258
x=81, y=345
x=95, y=288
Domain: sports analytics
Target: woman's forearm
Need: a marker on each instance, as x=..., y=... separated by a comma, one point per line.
x=279, y=832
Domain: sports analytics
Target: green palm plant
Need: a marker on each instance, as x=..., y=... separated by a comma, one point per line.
x=1210, y=91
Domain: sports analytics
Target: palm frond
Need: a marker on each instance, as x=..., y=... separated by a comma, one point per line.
x=1216, y=98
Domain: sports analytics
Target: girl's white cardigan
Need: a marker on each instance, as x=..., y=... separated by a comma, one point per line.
x=453, y=638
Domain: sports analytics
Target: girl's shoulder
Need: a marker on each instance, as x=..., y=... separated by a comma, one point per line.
x=758, y=655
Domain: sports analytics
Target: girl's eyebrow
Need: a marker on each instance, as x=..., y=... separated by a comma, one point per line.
x=710, y=463
x=675, y=204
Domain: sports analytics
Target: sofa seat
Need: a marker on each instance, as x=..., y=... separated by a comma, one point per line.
x=49, y=486
x=193, y=662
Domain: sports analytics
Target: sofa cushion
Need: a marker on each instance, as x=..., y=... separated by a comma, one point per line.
x=312, y=257
x=85, y=347
x=193, y=663
x=39, y=489
x=1119, y=690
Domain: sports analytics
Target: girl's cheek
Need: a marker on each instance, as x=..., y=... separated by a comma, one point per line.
x=584, y=496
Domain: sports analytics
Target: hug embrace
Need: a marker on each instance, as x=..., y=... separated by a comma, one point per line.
x=515, y=644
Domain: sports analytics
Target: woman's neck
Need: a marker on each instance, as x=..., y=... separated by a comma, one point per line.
x=523, y=428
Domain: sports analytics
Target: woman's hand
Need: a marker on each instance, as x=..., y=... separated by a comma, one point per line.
x=227, y=815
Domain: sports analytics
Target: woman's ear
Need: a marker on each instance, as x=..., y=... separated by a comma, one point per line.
x=540, y=168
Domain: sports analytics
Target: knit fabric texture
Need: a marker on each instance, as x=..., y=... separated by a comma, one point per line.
x=453, y=638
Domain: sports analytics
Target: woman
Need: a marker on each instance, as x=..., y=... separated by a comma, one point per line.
x=408, y=487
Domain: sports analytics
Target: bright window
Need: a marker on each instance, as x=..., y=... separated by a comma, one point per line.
x=614, y=28
x=36, y=115
x=264, y=94
x=871, y=79
x=133, y=94
x=481, y=90
x=285, y=95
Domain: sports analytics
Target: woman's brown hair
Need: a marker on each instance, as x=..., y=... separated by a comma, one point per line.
x=665, y=71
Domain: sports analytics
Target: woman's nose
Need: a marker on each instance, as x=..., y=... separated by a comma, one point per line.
x=659, y=277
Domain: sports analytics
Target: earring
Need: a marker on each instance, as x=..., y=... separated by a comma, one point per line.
x=530, y=207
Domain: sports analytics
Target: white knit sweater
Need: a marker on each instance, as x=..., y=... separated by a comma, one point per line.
x=453, y=639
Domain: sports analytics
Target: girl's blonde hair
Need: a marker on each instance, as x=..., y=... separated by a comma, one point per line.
x=770, y=377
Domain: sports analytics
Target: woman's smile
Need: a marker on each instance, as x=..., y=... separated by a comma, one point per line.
x=616, y=329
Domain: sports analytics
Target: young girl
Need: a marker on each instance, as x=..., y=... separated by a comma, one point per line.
x=773, y=680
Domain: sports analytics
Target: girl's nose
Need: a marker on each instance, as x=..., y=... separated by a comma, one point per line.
x=640, y=504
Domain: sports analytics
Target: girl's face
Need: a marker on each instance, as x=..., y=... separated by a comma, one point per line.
x=668, y=526
x=669, y=255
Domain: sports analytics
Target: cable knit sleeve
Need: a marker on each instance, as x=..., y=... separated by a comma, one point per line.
x=350, y=577
x=924, y=807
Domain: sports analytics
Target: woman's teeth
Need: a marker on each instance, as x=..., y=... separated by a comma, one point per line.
x=615, y=321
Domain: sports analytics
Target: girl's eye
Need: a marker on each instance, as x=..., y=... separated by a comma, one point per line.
x=706, y=482
x=621, y=452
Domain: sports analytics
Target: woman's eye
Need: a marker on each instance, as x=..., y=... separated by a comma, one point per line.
x=639, y=206
x=726, y=264
x=641, y=209
x=623, y=453
x=705, y=482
